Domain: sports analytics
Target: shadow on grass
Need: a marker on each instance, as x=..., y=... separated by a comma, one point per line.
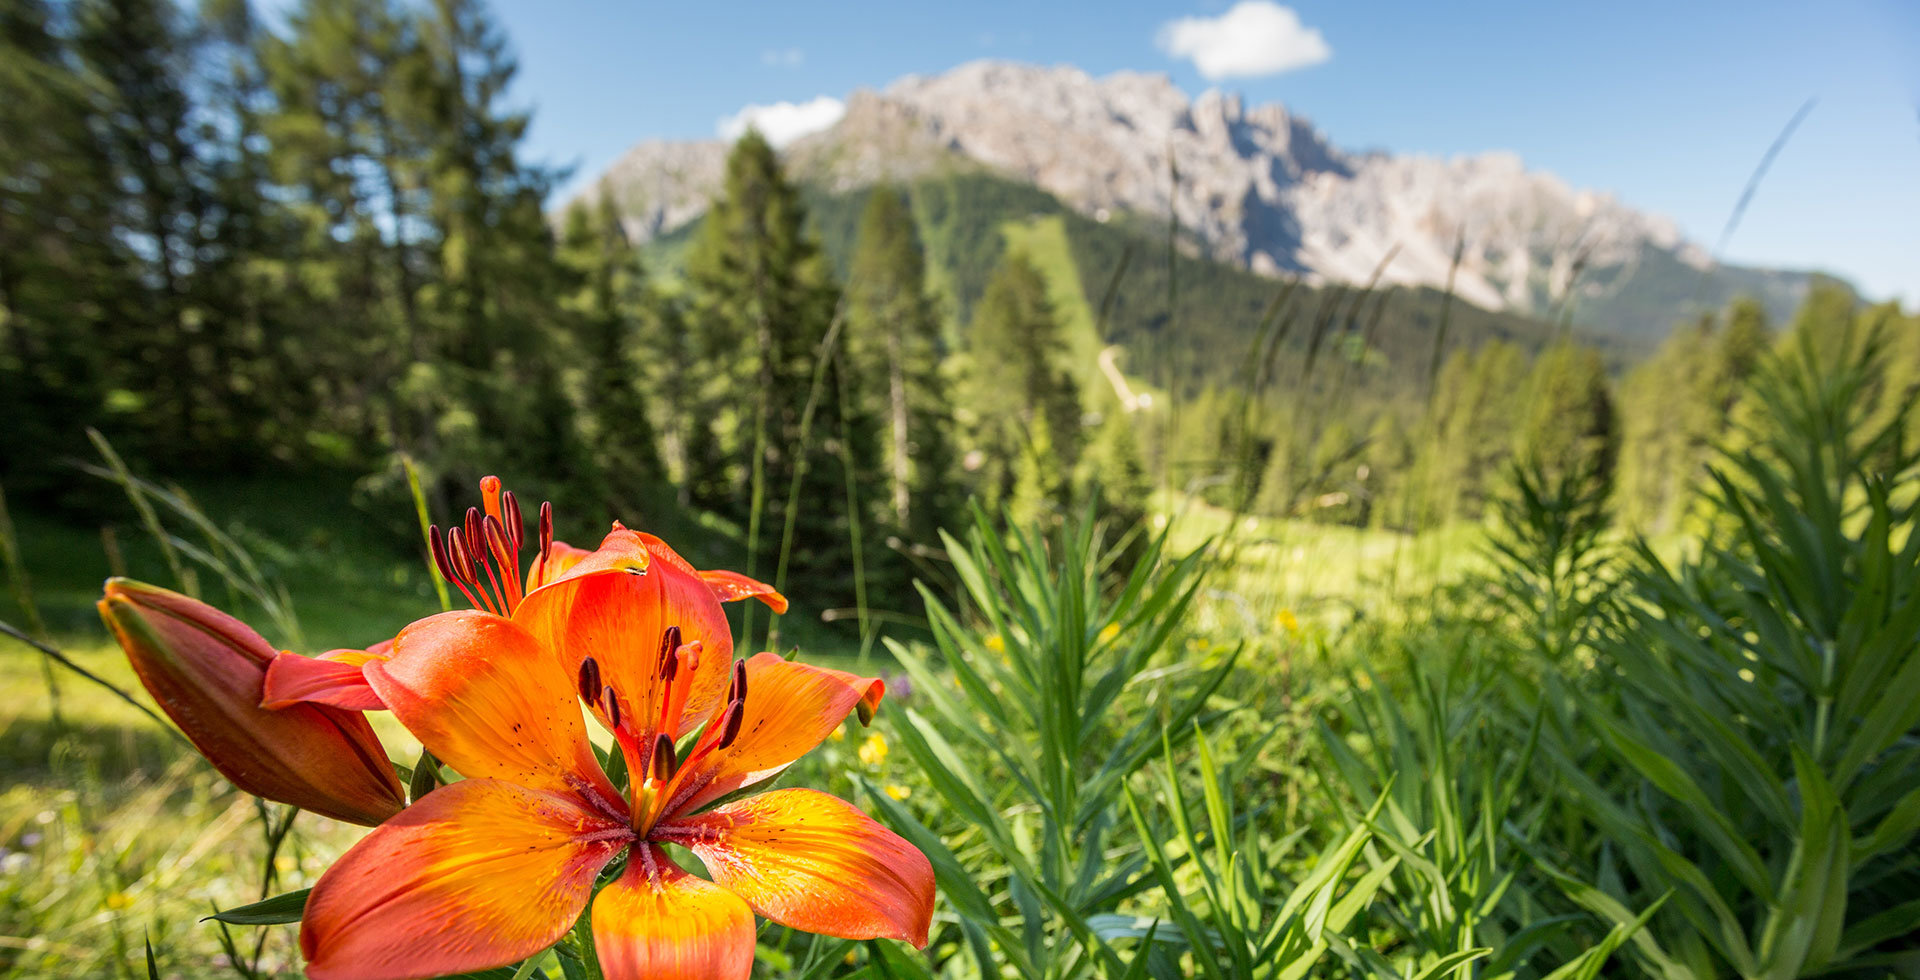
x=34, y=751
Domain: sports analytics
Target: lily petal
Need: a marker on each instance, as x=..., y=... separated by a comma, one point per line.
x=334, y=678
x=660, y=923
x=870, y=690
x=814, y=862
x=558, y=561
x=790, y=708
x=726, y=586
x=614, y=606
x=207, y=671
x=486, y=698
x=733, y=586
x=477, y=874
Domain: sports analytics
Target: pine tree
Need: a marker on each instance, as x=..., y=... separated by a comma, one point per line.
x=1112, y=475
x=134, y=52
x=1570, y=425
x=894, y=338
x=1679, y=405
x=1475, y=404
x=763, y=302
x=352, y=154
x=612, y=304
x=1027, y=405
x=65, y=274
x=495, y=272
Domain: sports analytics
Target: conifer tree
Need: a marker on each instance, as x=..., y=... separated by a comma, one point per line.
x=1112, y=474
x=1679, y=405
x=65, y=274
x=1570, y=425
x=352, y=155
x=138, y=55
x=611, y=301
x=1027, y=405
x=763, y=303
x=894, y=339
x=1476, y=401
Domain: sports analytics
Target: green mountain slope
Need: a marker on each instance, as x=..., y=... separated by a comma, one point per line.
x=1189, y=322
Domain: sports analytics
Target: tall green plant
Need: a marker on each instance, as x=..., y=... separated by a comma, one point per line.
x=1548, y=547
x=1436, y=735
x=1055, y=689
x=1242, y=918
x=1759, y=703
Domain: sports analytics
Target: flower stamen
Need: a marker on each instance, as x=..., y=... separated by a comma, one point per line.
x=663, y=764
x=443, y=560
x=590, y=680
x=481, y=554
x=546, y=531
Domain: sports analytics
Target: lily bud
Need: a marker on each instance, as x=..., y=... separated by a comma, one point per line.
x=207, y=669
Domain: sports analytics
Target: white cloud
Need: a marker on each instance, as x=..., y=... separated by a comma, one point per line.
x=783, y=122
x=1255, y=37
x=783, y=58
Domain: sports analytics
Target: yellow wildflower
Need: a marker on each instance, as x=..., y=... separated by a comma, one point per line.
x=996, y=644
x=873, y=751
x=898, y=791
x=1108, y=632
x=838, y=734
x=118, y=900
x=1288, y=621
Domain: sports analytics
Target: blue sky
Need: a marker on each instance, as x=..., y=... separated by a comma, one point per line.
x=1670, y=105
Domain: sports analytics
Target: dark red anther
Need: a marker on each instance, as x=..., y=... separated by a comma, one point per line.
x=610, y=703
x=439, y=549
x=546, y=529
x=730, y=725
x=472, y=525
x=589, y=680
x=510, y=514
x=664, y=765
x=669, y=643
x=738, y=692
x=458, y=556
x=499, y=541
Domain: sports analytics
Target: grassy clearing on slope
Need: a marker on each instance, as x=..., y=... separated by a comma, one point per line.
x=1279, y=570
x=1044, y=242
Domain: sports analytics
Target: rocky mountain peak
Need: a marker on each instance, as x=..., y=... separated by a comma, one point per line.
x=1258, y=186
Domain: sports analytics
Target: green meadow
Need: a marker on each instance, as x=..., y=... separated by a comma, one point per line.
x=1232, y=626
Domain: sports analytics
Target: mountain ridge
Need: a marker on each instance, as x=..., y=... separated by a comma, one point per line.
x=1258, y=187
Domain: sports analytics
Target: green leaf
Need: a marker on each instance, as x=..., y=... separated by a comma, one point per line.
x=1674, y=781
x=1587, y=965
x=1451, y=960
x=1804, y=929
x=1879, y=927
x=275, y=911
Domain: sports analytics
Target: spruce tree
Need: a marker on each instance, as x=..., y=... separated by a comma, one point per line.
x=894, y=339
x=1027, y=405
x=354, y=149
x=1477, y=398
x=139, y=56
x=1570, y=426
x=1112, y=476
x=763, y=302
x=611, y=301
x=66, y=274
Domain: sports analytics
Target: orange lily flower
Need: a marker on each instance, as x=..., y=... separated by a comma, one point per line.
x=498, y=866
x=480, y=557
x=207, y=669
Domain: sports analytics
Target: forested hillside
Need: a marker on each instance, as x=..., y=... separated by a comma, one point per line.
x=318, y=247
